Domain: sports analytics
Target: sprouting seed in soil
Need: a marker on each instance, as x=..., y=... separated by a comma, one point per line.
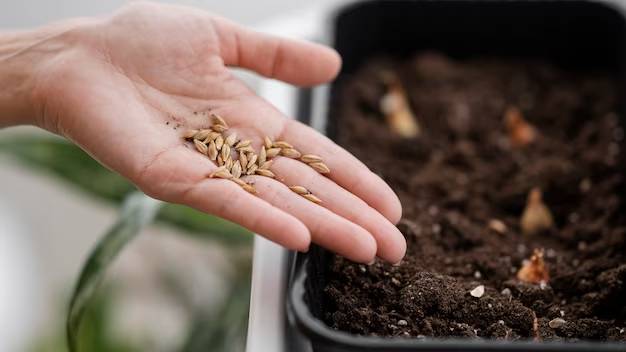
x=534, y=270
x=201, y=147
x=556, y=323
x=536, y=216
x=397, y=109
x=320, y=167
x=478, y=291
x=497, y=226
x=521, y=132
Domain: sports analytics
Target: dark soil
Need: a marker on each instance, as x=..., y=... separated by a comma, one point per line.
x=461, y=172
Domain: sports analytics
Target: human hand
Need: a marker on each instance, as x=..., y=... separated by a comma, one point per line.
x=125, y=88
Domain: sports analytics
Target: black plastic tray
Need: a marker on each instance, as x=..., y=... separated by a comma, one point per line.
x=571, y=34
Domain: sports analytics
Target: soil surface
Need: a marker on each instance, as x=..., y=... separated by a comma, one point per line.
x=462, y=172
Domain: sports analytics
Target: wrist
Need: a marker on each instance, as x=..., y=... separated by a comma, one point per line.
x=24, y=57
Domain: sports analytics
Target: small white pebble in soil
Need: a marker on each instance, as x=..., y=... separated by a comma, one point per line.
x=506, y=292
x=420, y=336
x=543, y=285
x=621, y=331
x=478, y=291
x=562, y=312
x=477, y=274
x=501, y=322
x=490, y=305
x=402, y=322
x=362, y=268
x=556, y=323
x=396, y=281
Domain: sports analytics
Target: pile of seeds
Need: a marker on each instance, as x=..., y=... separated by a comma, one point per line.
x=236, y=158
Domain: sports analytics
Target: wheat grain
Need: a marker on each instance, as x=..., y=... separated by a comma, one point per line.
x=238, y=181
x=201, y=147
x=221, y=172
x=247, y=149
x=249, y=188
x=219, y=142
x=230, y=140
x=290, y=153
x=212, y=151
x=272, y=152
x=219, y=128
x=252, y=158
x=266, y=173
x=267, y=142
x=243, y=144
x=282, y=145
x=266, y=165
x=218, y=120
x=252, y=169
x=243, y=160
x=312, y=198
x=210, y=137
x=320, y=167
x=202, y=134
x=189, y=134
x=310, y=158
x=220, y=161
x=262, y=156
x=236, y=169
x=225, y=151
x=299, y=190
x=228, y=163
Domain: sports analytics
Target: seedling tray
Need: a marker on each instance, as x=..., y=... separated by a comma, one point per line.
x=570, y=34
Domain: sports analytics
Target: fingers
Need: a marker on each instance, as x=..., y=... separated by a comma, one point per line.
x=391, y=245
x=327, y=228
x=180, y=175
x=345, y=169
x=292, y=61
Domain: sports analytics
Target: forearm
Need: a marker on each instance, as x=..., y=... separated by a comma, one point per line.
x=22, y=58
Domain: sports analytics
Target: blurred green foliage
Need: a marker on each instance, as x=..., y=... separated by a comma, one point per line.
x=77, y=168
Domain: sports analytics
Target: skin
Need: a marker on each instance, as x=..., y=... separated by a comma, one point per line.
x=118, y=86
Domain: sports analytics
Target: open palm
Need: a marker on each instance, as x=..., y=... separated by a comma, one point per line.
x=127, y=87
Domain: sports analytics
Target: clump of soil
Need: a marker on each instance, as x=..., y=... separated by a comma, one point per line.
x=463, y=172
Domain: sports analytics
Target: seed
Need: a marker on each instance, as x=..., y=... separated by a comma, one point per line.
x=202, y=134
x=310, y=158
x=266, y=173
x=402, y=322
x=189, y=134
x=220, y=161
x=225, y=151
x=497, y=226
x=556, y=323
x=320, y=167
x=300, y=190
x=266, y=165
x=397, y=109
x=290, y=153
x=312, y=198
x=229, y=164
x=243, y=144
x=201, y=147
x=478, y=291
x=219, y=128
x=221, y=172
x=247, y=149
x=212, y=151
x=243, y=160
x=536, y=216
x=236, y=169
x=262, y=156
x=211, y=137
x=252, y=169
x=218, y=120
x=251, y=159
x=238, y=181
x=267, y=142
x=272, y=152
x=249, y=188
x=282, y=145
x=219, y=142
x=534, y=270
x=230, y=140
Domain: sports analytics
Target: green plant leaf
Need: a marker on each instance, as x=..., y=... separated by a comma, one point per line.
x=72, y=165
x=137, y=212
